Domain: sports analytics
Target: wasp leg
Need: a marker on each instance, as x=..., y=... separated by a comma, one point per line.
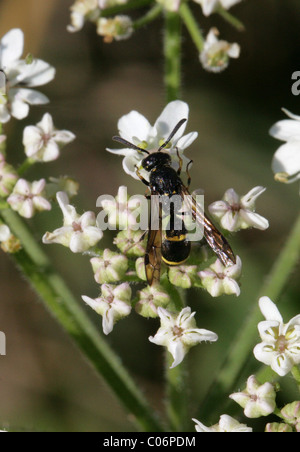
x=188, y=174
x=141, y=177
x=180, y=162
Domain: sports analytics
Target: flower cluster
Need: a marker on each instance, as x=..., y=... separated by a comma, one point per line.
x=42, y=142
x=114, y=269
x=214, y=53
x=279, y=349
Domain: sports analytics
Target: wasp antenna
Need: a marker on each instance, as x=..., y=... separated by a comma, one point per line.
x=178, y=125
x=128, y=144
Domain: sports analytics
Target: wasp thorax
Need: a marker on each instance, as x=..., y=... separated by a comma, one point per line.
x=156, y=160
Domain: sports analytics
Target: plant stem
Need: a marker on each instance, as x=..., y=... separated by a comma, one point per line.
x=242, y=347
x=176, y=386
x=25, y=166
x=192, y=26
x=118, y=9
x=176, y=395
x=56, y=296
x=172, y=54
x=152, y=14
x=232, y=20
x=296, y=374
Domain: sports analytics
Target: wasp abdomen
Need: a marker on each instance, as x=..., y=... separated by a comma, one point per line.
x=175, y=248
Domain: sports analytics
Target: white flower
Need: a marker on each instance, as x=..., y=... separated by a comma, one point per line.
x=182, y=275
x=136, y=129
x=150, y=299
x=216, y=53
x=79, y=233
x=280, y=346
x=209, y=6
x=82, y=10
x=219, y=280
x=8, y=177
x=286, y=160
x=4, y=233
x=43, y=142
x=113, y=304
x=257, y=400
x=235, y=212
x=27, y=197
x=118, y=28
x=122, y=210
x=226, y=425
x=178, y=332
x=21, y=76
x=111, y=267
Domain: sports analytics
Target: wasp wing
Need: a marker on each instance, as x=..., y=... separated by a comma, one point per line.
x=212, y=235
x=153, y=256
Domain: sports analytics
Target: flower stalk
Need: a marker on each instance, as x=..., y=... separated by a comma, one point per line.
x=172, y=54
x=232, y=20
x=192, y=26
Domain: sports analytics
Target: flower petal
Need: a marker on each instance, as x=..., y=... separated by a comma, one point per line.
x=287, y=159
x=134, y=125
x=11, y=47
x=248, y=200
x=36, y=73
x=185, y=141
x=286, y=130
x=269, y=309
x=169, y=118
x=254, y=219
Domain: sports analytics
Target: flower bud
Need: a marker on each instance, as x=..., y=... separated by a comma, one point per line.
x=150, y=299
x=111, y=267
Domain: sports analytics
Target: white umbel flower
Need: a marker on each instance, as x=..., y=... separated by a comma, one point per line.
x=178, y=332
x=218, y=279
x=29, y=197
x=256, y=399
x=235, y=212
x=216, y=53
x=136, y=129
x=43, y=142
x=22, y=75
x=79, y=232
x=113, y=304
x=280, y=346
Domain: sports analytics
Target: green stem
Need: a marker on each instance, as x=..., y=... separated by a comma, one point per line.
x=176, y=395
x=232, y=20
x=296, y=374
x=56, y=296
x=192, y=26
x=25, y=166
x=172, y=54
x=118, y=9
x=238, y=355
x=176, y=386
x=151, y=15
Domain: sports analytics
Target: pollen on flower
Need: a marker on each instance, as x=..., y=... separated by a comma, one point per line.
x=76, y=227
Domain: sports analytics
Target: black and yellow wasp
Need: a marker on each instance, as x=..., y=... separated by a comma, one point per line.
x=172, y=245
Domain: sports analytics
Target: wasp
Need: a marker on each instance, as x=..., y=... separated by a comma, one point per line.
x=172, y=246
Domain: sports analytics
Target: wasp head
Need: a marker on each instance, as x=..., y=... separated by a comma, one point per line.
x=156, y=160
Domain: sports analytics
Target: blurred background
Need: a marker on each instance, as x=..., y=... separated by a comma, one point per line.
x=45, y=384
